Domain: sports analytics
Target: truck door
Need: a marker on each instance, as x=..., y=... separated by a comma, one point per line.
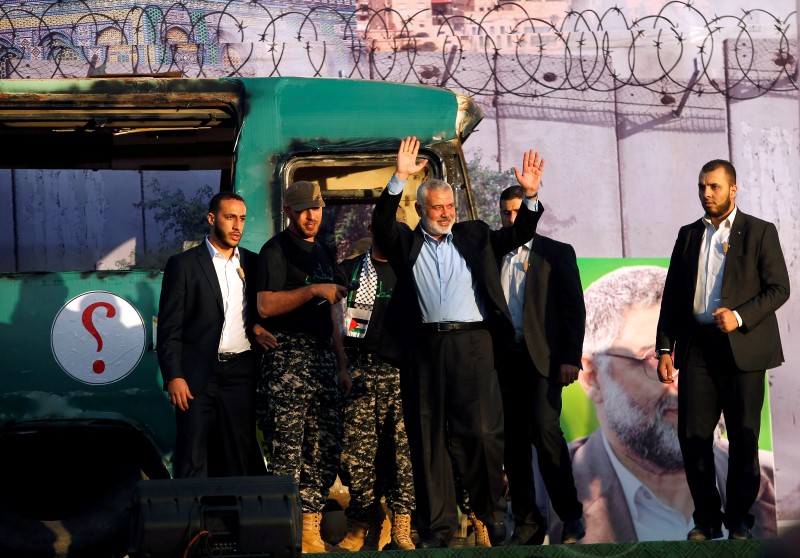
x=103, y=181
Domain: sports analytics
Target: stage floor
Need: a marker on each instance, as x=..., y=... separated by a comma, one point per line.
x=666, y=549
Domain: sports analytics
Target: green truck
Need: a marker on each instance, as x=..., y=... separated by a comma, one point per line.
x=95, y=173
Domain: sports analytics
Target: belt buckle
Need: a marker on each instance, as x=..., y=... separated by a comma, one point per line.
x=443, y=326
x=224, y=357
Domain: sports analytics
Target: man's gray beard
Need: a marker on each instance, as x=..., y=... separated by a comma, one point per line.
x=650, y=437
x=433, y=228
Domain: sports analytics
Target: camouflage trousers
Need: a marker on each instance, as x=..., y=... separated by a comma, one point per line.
x=375, y=458
x=299, y=411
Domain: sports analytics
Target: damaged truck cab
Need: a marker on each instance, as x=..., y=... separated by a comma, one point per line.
x=105, y=178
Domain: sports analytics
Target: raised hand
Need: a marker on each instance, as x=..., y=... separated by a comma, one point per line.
x=530, y=178
x=407, y=158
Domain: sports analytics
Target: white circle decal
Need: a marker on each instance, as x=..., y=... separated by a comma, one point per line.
x=98, y=337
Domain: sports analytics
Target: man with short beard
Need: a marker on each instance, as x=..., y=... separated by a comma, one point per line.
x=727, y=278
x=299, y=394
x=206, y=351
x=446, y=306
x=629, y=472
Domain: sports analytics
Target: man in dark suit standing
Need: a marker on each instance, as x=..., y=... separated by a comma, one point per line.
x=446, y=301
x=204, y=351
x=542, y=286
x=717, y=324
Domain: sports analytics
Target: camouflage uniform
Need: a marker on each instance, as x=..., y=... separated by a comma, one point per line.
x=298, y=402
x=376, y=458
x=299, y=412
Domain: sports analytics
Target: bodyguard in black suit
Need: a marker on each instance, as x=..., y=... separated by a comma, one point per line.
x=437, y=330
x=204, y=351
x=717, y=325
x=542, y=285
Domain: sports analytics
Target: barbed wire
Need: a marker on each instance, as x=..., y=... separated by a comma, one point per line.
x=504, y=51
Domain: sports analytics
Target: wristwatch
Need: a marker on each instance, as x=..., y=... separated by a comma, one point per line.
x=664, y=352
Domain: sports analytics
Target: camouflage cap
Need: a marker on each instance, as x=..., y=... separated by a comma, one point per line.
x=302, y=195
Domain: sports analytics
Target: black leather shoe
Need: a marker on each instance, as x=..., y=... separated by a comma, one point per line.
x=740, y=531
x=574, y=530
x=704, y=533
x=432, y=542
x=527, y=534
x=497, y=534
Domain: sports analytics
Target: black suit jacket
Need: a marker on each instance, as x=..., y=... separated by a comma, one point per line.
x=476, y=242
x=553, y=311
x=190, y=315
x=755, y=283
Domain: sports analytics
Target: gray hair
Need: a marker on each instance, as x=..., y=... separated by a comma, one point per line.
x=427, y=186
x=610, y=298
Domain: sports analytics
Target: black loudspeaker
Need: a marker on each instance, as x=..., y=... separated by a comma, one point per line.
x=220, y=517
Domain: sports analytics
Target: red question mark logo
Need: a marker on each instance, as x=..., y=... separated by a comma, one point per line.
x=98, y=366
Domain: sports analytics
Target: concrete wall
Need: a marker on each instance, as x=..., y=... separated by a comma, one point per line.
x=765, y=148
x=621, y=178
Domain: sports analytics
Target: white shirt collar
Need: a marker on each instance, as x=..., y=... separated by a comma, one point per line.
x=652, y=519
x=528, y=246
x=630, y=484
x=212, y=250
x=727, y=223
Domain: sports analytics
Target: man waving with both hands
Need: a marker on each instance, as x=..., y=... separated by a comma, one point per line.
x=447, y=305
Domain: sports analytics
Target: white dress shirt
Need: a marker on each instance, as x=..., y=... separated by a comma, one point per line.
x=234, y=336
x=652, y=519
x=710, y=269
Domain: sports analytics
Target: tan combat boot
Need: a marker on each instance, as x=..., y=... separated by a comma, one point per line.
x=312, y=539
x=480, y=530
x=356, y=533
x=379, y=533
x=401, y=532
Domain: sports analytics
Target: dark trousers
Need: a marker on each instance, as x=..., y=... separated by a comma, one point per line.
x=452, y=390
x=710, y=385
x=216, y=436
x=532, y=414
